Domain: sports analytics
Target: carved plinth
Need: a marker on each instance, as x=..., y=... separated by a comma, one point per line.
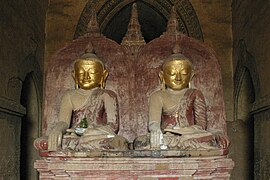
x=65, y=167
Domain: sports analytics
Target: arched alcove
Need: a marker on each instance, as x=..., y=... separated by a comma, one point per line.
x=246, y=97
x=113, y=18
x=31, y=126
x=31, y=98
x=241, y=130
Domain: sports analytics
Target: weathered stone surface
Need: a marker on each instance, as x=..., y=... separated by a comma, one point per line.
x=10, y=146
x=135, y=153
x=262, y=145
x=241, y=148
x=134, y=168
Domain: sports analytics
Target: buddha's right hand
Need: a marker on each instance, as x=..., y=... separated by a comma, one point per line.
x=55, y=136
x=54, y=140
x=155, y=139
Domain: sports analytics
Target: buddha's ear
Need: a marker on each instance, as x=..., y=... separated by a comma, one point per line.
x=73, y=74
x=75, y=79
x=105, y=74
x=103, y=79
x=163, y=86
x=192, y=75
x=160, y=74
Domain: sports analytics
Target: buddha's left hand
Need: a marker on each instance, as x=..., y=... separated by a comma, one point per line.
x=222, y=140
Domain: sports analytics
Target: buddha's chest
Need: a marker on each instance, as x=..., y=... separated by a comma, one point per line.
x=172, y=102
x=82, y=101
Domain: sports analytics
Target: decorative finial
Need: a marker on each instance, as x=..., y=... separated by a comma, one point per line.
x=134, y=34
x=172, y=25
x=93, y=26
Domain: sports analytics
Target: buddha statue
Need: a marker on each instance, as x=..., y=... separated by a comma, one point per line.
x=177, y=113
x=88, y=116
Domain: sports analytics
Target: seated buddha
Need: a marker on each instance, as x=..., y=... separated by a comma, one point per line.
x=88, y=116
x=177, y=113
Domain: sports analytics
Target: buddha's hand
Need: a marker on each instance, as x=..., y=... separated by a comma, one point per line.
x=222, y=140
x=155, y=139
x=55, y=137
x=54, y=140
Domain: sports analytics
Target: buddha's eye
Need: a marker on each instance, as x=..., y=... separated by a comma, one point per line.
x=93, y=71
x=171, y=72
x=184, y=72
x=80, y=73
x=79, y=70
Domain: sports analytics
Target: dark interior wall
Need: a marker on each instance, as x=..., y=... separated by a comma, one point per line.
x=22, y=25
x=251, y=27
x=241, y=130
x=216, y=23
x=22, y=37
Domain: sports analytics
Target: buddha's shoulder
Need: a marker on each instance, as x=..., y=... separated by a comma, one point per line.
x=105, y=92
x=69, y=92
x=158, y=93
x=193, y=90
x=161, y=93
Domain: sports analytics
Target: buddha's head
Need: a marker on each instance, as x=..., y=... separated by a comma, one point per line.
x=177, y=72
x=89, y=72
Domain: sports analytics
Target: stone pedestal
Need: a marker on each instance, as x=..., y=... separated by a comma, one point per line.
x=63, y=166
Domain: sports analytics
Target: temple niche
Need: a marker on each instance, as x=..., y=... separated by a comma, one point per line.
x=133, y=68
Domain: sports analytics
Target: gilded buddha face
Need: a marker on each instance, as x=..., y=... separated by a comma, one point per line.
x=89, y=74
x=176, y=74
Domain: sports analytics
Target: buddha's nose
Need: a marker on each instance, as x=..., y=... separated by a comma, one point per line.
x=86, y=75
x=178, y=76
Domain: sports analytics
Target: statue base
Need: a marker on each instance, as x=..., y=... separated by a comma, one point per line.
x=141, y=165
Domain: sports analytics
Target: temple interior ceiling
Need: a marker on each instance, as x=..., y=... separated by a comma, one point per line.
x=113, y=17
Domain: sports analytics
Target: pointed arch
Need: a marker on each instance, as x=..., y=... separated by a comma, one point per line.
x=106, y=11
x=245, y=64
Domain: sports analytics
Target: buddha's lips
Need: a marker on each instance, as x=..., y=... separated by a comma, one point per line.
x=178, y=82
x=87, y=81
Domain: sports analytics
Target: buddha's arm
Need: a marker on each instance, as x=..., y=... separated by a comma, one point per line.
x=155, y=111
x=200, y=110
x=65, y=109
x=111, y=108
x=55, y=136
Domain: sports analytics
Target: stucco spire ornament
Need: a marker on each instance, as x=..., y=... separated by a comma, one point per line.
x=172, y=24
x=93, y=29
x=134, y=34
